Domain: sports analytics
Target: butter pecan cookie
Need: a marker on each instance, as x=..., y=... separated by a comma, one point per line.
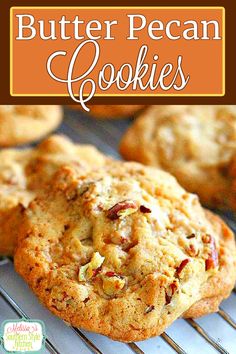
x=122, y=250
x=197, y=144
x=24, y=172
x=24, y=124
x=112, y=111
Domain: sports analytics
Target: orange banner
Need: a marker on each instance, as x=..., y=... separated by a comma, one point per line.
x=115, y=51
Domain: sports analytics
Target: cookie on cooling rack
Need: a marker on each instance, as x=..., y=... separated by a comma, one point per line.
x=25, y=124
x=122, y=251
x=111, y=111
x=197, y=144
x=24, y=172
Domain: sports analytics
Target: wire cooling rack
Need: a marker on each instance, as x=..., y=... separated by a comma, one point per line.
x=215, y=333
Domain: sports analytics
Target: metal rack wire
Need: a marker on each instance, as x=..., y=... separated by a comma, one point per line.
x=106, y=135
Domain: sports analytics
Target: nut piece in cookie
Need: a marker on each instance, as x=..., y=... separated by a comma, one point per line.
x=197, y=144
x=24, y=172
x=25, y=124
x=115, y=259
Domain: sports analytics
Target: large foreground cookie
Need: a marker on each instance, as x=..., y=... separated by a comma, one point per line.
x=24, y=124
x=197, y=144
x=24, y=172
x=111, y=111
x=123, y=250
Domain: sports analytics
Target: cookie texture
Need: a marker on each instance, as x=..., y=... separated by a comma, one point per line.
x=112, y=111
x=197, y=144
x=123, y=250
x=24, y=172
x=219, y=286
x=24, y=124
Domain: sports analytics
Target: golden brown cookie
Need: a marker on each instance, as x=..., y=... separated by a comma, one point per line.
x=25, y=124
x=24, y=172
x=197, y=144
x=122, y=250
x=111, y=111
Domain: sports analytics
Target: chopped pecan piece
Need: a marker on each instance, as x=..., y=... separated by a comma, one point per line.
x=170, y=292
x=192, y=251
x=122, y=209
x=212, y=260
x=149, y=309
x=144, y=209
x=191, y=236
x=92, y=268
x=182, y=265
x=206, y=238
x=82, y=276
x=96, y=271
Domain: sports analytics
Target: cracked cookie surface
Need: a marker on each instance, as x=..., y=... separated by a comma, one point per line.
x=24, y=172
x=122, y=250
x=197, y=144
